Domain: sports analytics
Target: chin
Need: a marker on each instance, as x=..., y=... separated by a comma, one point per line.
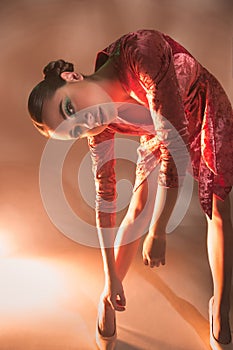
x=95, y=131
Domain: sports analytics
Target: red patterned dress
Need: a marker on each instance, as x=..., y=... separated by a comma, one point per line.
x=161, y=75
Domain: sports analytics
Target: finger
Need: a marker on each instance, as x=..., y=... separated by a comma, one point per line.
x=152, y=263
x=121, y=301
x=163, y=261
x=155, y=262
x=119, y=307
x=145, y=261
x=116, y=305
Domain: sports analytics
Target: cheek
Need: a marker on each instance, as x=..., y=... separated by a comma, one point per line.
x=51, y=119
x=52, y=123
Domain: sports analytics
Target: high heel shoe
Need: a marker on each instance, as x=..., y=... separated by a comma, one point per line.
x=214, y=343
x=105, y=343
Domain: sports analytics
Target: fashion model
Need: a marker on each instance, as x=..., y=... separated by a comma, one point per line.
x=147, y=84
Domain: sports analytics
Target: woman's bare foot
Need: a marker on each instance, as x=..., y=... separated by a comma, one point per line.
x=106, y=319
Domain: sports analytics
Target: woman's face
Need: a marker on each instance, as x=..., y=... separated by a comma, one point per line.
x=78, y=109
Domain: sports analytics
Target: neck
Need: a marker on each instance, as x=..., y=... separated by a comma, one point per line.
x=107, y=78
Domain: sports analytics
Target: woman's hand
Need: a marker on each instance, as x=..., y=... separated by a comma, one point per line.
x=154, y=246
x=154, y=249
x=114, y=293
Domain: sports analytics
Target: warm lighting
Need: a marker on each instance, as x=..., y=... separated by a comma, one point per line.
x=47, y=303
x=5, y=247
x=29, y=284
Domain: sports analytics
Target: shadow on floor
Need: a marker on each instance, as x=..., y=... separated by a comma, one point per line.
x=184, y=308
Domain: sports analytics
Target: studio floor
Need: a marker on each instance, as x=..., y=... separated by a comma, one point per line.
x=49, y=301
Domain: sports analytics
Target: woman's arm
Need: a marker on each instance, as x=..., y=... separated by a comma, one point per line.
x=164, y=205
x=113, y=289
x=154, y=246
x=103, y=160
x=150, y=58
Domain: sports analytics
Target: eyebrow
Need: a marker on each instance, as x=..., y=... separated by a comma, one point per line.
x=61, y=111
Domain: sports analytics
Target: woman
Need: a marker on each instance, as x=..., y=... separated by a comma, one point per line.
x=188, y=107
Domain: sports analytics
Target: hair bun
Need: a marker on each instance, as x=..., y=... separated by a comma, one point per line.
x=55, y=68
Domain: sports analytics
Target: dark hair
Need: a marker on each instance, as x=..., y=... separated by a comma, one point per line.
x=46, y=89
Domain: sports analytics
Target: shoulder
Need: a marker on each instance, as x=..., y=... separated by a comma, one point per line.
x=146, y=38
x=143, y=39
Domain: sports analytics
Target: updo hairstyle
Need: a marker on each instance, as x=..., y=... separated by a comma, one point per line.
x=46, y=89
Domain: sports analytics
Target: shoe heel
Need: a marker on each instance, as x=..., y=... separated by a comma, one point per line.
x=214, y=344
x=105, y=343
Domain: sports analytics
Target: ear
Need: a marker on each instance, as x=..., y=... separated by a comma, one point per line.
x=71, y=76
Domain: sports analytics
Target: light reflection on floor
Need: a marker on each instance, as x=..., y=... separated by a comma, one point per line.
x=30, y=284
x=51, y=304
x=50, y=288
x=35, y=306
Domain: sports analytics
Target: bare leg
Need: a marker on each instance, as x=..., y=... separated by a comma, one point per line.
x=220, y=244
x=133, y=226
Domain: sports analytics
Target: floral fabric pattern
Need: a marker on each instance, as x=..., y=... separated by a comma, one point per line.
x=160, y=74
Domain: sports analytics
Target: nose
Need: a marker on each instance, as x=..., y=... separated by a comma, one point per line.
x=90, y=120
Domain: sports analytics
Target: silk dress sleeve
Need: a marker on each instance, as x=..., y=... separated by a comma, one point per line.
x=103, y=166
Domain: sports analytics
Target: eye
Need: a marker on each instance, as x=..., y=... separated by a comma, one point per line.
x=69, y=108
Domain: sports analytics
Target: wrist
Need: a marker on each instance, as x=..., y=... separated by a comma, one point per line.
x=157, y=236
x=110, y=276
x=157, y=231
